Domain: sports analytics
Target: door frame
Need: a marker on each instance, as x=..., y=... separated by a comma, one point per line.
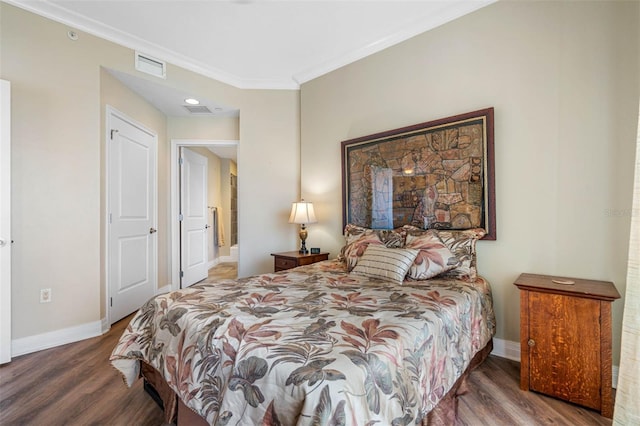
x=5, y=217
x=111, y=111
x=174, y=221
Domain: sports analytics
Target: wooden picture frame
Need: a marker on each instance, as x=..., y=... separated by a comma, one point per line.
x=438, y=174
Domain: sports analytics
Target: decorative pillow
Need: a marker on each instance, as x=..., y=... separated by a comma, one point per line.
x=433, y=258
x=385, y=263
x=462, y=243
x=358, y=239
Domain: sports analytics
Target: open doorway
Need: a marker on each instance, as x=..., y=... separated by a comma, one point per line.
x=221, y=220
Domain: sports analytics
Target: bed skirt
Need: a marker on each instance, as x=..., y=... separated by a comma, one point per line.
x=446, y=412
x=175, y=412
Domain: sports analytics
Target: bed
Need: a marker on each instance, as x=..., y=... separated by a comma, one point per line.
x=343, y=341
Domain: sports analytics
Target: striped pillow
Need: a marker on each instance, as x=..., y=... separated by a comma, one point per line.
x=385, y=263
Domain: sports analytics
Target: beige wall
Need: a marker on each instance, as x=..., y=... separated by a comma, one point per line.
x=273, y=171
x=563, y=78
x=216, y=128
x=57, y=157
x=55, y=177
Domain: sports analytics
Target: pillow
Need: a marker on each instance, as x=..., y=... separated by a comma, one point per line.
x=462, y=243
x=433, y=258
x=358, y=239
x=385, y=263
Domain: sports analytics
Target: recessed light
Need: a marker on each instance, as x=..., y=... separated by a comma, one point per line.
x=192, y=101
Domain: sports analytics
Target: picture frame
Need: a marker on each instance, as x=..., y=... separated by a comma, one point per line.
x=437, y=174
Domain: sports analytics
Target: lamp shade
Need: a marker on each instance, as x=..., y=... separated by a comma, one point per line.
x=302, y=213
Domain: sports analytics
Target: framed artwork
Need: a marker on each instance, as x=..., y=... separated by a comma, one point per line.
x=438, y=174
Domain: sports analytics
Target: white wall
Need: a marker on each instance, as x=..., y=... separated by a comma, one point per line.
x=564, y=80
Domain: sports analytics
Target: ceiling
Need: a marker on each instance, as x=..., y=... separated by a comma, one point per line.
x=255, y=44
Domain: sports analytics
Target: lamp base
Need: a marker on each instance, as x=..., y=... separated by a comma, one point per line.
x=303, y=237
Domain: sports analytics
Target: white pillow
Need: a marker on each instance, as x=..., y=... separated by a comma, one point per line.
x=379, y=261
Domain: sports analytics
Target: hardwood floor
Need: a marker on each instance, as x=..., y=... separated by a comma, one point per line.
x=73, y=385
x=224, y=270
x=494, y=398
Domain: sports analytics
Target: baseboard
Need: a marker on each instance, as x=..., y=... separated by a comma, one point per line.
x=506, y=349
x=511, y=350
x=104, y=325
x=27, y=345
x=228, y=259
x=165, y=289
x=213, y=263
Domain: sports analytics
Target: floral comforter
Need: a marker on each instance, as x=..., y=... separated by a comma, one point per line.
x=310, y=346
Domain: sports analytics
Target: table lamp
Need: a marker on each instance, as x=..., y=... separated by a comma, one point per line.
x=302, y=213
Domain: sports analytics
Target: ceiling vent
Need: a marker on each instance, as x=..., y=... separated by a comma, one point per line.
x=149, y=65
x=197, y=109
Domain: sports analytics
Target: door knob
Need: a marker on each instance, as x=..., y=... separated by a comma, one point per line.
x=531, y=343
x=152, y=230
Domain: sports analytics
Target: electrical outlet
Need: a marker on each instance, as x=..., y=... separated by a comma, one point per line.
x=45, y=295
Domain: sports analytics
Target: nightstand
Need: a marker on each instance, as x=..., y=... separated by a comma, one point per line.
x=292, y=259
x=565, y=339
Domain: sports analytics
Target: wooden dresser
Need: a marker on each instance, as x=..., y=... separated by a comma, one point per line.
x=565, y=339
x=291, y=259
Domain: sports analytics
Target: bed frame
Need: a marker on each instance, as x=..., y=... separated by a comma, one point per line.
x=176, y=412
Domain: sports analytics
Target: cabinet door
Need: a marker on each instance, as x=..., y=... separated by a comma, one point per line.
x=564, y=351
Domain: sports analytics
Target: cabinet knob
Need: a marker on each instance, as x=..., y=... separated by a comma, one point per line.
x=531, y=342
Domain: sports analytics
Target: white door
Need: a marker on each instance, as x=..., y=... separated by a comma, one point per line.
x=5, y=221
x=193, y=210
x=132, y=259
